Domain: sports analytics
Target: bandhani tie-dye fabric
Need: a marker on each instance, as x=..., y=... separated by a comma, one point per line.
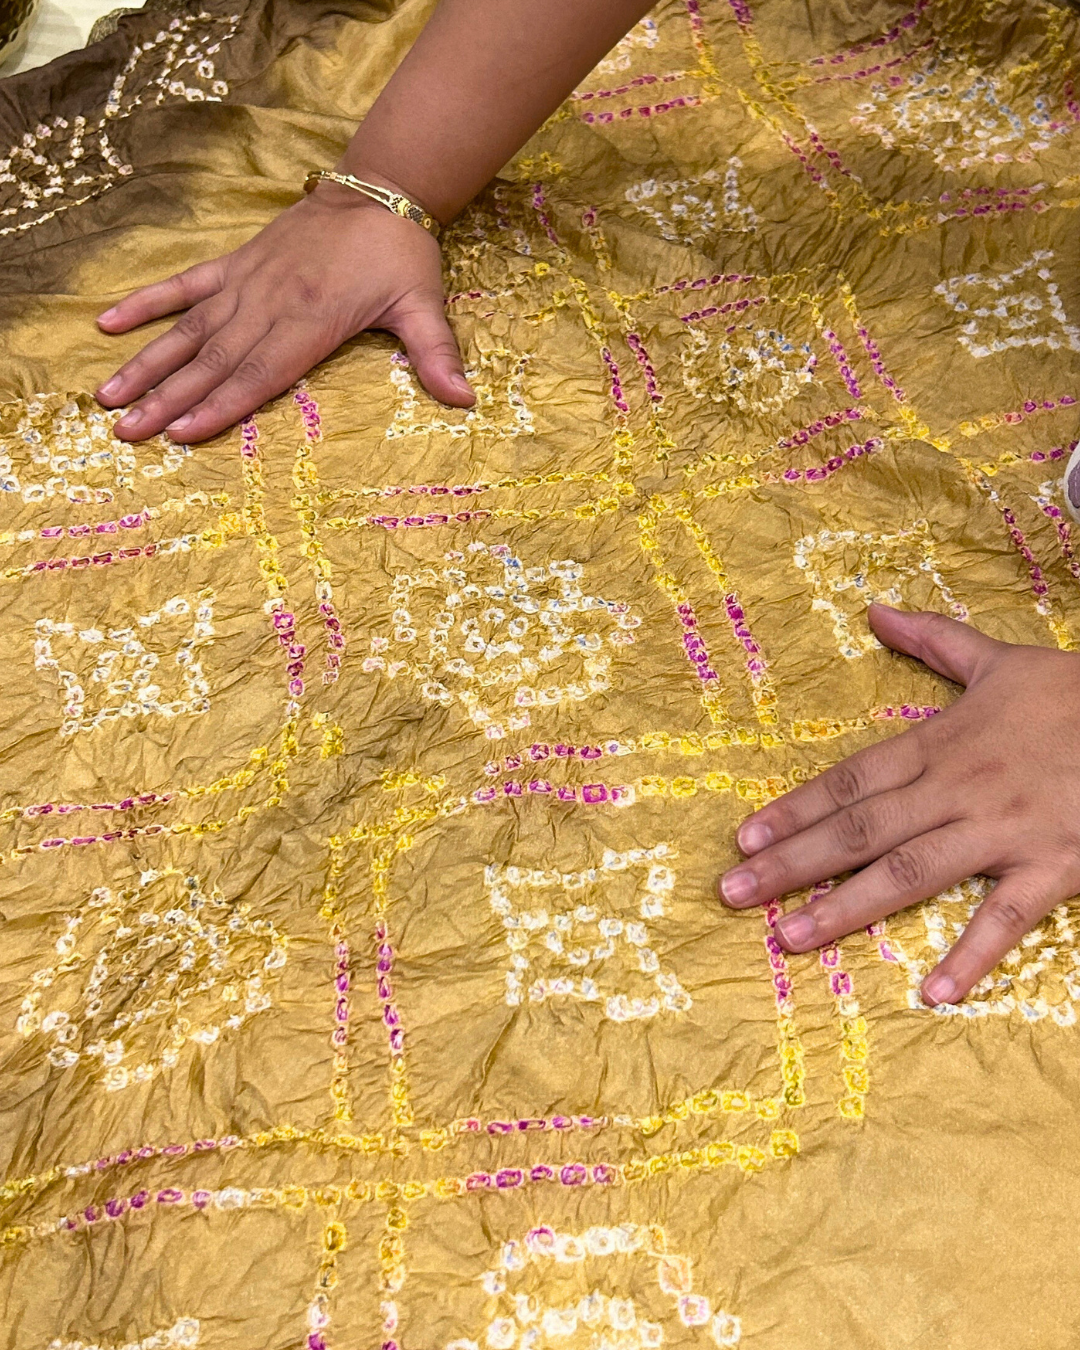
x=366, y=772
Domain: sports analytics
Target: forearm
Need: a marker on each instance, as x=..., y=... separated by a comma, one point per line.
x=480, y=79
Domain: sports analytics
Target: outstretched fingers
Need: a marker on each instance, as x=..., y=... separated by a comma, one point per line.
x=272, y=365
x=167, y=354
x=213, y=363
x=914, y=871
x=847, y=839
x=954, y=650
x=880, y=768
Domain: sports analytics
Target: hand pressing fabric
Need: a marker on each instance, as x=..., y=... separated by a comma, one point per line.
x=991, y=785
x=452, y=114
x=259, y=318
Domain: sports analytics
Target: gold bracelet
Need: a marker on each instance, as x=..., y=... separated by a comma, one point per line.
x=393, y=201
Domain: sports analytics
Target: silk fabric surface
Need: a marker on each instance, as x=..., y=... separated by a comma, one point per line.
x=367, y=771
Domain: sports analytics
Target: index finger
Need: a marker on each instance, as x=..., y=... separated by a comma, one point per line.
x=162, y=297
x=879, y=768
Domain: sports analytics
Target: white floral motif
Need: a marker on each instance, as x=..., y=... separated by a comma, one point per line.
x=581, y=938
x=182, y=1335
x=959, y=115
x=489, y=629
x=145, y=969
x=643, y=35
x=64, y=447
x=756, y=369
x=63, y=163
x=128, y=678
x=596, y=1311
x=869, y=567
x=684, y=209
x=1039, y=978
x=1021, y=308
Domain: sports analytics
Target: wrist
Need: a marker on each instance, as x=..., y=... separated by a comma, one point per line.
x=361, y=167
x=388, y=199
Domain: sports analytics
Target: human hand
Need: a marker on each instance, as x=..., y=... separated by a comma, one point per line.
x=991, y=785
x=260, y=317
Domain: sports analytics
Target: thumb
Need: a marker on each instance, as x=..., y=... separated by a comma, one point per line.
x=951, y=648
x=433, y=350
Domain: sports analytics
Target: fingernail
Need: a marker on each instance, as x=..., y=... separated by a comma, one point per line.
x=796, y=929
x=460, y=382
x=738, y=886
x=111, y=387
x=939, y=988
x=753, y=835
x=130, y=420
x=181, y=424
x=109, y=314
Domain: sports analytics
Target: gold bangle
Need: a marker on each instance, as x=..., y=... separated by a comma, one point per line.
x=393, y=201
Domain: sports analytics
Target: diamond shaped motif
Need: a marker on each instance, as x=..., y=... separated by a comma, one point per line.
x=592, y=1295
x=67, y=161
x=499, y=638
x=140, y=971
x=56, y=447
x=131, y=675
x=755, y=369
x=577, y=947
x=691, y=210
x=1021, y=308
x=848, y=570
x=958, y=113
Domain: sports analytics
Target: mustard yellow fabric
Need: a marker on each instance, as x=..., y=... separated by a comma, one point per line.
x=366, y=772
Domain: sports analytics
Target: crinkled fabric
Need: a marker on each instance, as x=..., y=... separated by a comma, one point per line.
x=367, y=771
